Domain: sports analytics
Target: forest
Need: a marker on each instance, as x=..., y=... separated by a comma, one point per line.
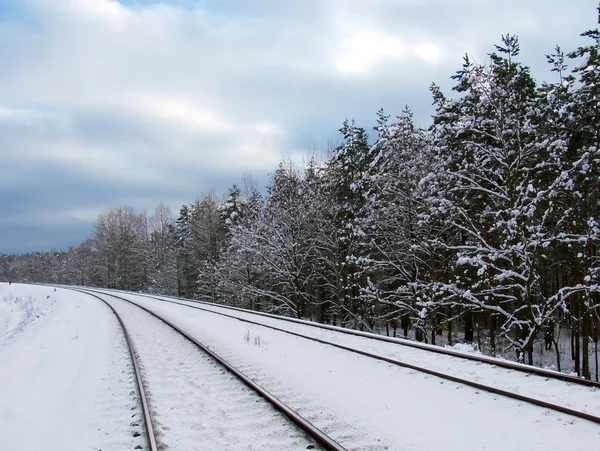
x=482, y=228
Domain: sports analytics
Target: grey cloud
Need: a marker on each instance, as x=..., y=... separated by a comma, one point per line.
x=50, y=201
x=39, y=237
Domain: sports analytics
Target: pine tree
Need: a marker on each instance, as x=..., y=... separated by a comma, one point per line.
x=239, y=271
x=347, y=186
x=582, y=231
x=492, y=190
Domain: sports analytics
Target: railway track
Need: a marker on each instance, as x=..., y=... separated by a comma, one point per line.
x=237, y=314
x=153, y=439
x=148, y=426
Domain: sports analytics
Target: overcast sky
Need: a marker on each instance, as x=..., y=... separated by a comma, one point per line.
x=106, y=104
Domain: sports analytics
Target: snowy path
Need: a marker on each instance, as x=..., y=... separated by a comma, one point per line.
x=366, y=404
x=195, y=404
x=65, y=374
x=570, y=395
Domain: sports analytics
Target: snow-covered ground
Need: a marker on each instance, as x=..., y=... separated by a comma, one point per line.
x=65, y=375
x=19, y=309
x=66, y=384
x=368, y=404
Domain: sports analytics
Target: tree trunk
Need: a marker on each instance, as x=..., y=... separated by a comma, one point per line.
x=419, y=334
x=530, y=352
x=468, y=317
x=557, y=354
x=585, y=348
x=493, y=335
x=577, y=347
x=450, y=341
x=596, y=351
x=478, y=327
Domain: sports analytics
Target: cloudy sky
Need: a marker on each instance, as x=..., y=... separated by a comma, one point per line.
x=107, y=103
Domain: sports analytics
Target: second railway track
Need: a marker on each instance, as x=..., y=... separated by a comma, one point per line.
x=585, y=410
x=394, y=340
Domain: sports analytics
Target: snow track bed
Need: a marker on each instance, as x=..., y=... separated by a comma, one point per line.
x=366, y=404
x=65, y=376
x=195, y=404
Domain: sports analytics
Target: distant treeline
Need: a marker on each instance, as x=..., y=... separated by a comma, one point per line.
x=483, y=228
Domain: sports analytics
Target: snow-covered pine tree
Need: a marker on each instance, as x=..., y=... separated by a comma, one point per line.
x=582, y=231
x=239, y=269
x=491, y=188
x=327, y=252
x=183, y=245
x=347, y=185
x=231, y=209
x=209, y=238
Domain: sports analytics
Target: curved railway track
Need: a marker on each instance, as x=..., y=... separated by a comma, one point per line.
x=148, y=426
x=313, y=432
x=489, y=388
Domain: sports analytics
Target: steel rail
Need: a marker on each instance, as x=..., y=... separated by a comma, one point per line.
x=312, y=431
x=477, y=385
x=400, y=341
x=148, y=426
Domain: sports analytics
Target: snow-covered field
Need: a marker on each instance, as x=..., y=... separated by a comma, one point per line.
x=66, y=384
x=65, y=375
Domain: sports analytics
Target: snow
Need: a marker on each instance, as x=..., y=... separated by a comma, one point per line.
x=66, y=384
x=367, y=404
x=464, y=347
x=17, y=311
x=65, y=379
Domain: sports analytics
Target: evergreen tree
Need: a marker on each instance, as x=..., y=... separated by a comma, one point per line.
x=347, y=185
x=582, y=198
x=494, y=194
